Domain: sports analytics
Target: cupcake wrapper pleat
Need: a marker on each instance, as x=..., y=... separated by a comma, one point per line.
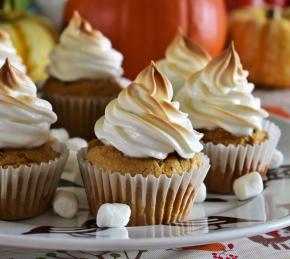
x=78, y=115
x=230, y=162
x=153, y=200
x=27, y=191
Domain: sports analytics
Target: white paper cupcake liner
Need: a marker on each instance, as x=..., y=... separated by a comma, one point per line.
x=27, y=191
x=153, y=200
x=230, y=162
x=78, y=115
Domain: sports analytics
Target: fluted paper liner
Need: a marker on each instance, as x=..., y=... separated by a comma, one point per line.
x=153, y=200
x=230, y=162
x=77, y=114
x=27, y=191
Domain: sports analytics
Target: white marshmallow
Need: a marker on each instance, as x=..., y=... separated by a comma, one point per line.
x=65, y=204
x=248, y=186
x=201, y=194
x=277, y=159
x=77, y=177
x=60, y=134
x=75, y=144
x=115, y=215
x=72, y=162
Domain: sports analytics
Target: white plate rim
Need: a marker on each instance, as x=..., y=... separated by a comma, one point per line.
x=100, y=244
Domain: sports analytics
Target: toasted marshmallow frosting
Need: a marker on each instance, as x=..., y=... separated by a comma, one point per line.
x=84, y=53
x=182, y=59
x=144, y=122
x=24, y=119
x=220, y=96
x=7, y=50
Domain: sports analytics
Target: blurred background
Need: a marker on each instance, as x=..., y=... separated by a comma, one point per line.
x=142, y=30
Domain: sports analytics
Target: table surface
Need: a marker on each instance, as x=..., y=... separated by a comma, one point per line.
x=270, y=245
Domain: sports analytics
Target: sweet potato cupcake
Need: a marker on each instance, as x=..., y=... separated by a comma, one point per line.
x=85, y=74
x=30, y=163
x=147, y=155
x=182, y=59
x=220, y=104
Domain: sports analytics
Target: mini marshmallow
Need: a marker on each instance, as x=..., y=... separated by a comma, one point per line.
x=77, y=177
x=201, y=194
x=72, y=162
x=65, y=204
x=60, y=134
x=277, y=159
x=75, y=144
x=248, y=186
x=115, y=215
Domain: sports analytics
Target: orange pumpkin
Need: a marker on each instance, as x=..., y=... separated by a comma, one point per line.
x=141, y=30
x=262, y=39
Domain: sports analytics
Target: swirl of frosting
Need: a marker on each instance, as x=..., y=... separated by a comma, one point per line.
x=144, y=122
x=182, y=59
x=221, y=96
x=7, y=50
x=24, y=119
x=84, y=53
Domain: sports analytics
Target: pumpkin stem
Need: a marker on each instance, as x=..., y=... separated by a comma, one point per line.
x=274, y=12
x=13, y=5
x=2, y=4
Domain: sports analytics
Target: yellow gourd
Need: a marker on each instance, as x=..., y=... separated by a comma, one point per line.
x=33, y=36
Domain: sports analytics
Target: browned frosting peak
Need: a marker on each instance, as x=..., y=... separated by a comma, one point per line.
x=157, y=84
x=9, y=75
x=4, y=35
x=79, y=23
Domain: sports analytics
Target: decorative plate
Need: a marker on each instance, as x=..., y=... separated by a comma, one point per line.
x=220, y=218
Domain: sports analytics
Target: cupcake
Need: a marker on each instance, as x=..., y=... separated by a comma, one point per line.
x=85, y=74
x=7, y=50
x=146, y=155
x=220, y=104
x=30, y=163
x=182, y=59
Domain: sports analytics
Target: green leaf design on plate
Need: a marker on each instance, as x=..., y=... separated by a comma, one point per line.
x=54, y=255
x=115, y=255
x=61, y=251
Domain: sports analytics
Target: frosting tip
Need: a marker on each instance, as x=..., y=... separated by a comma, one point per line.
x=7, y=73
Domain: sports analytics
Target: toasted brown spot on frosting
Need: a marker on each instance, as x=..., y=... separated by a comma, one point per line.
x=9, y=74
x=154, y=81
x=84, y=26
x=4, y=35
x=193, y=48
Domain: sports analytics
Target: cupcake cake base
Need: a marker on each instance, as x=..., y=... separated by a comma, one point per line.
x=18, y=157
x=154, y=198
x=26, y=190
x=229, y=162
x=221, y=136
x=79, y=104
